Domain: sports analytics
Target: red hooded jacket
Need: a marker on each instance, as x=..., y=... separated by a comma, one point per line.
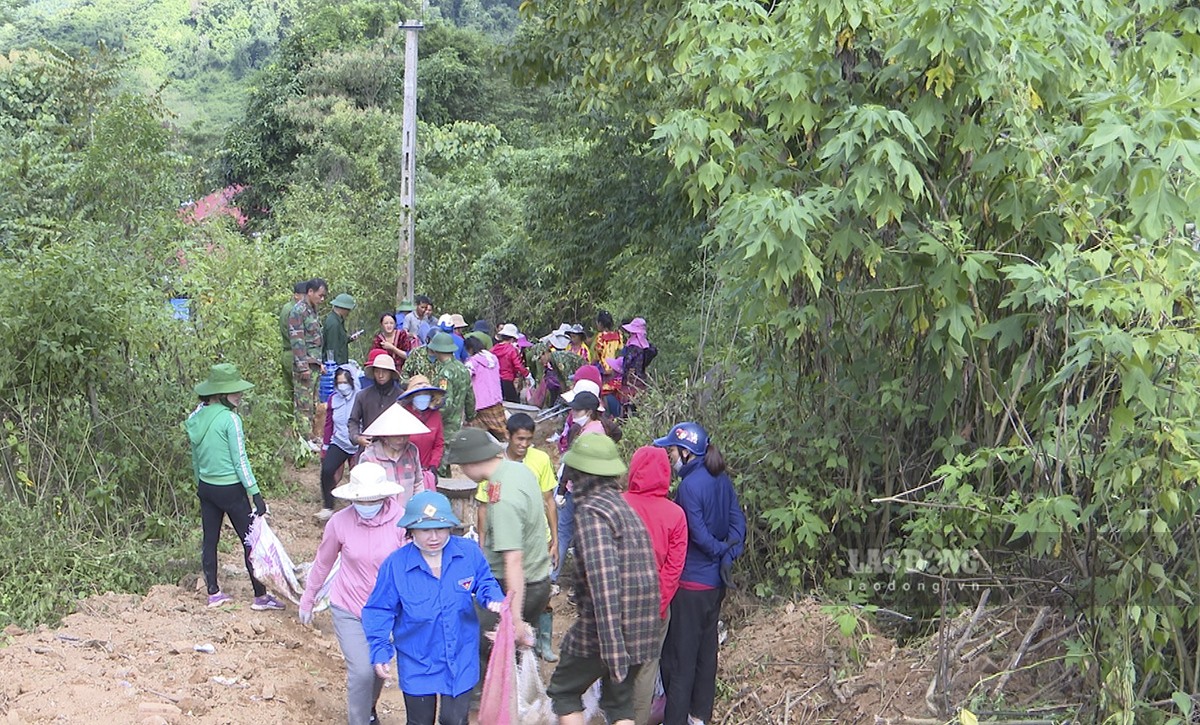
x=649, y=481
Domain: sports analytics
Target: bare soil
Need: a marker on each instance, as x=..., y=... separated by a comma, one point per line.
x=140, y=659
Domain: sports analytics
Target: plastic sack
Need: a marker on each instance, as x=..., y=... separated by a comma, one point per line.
x=498, y=701
x=270, y=561
x=321, y=600
x=533, y=705
x=537, y=394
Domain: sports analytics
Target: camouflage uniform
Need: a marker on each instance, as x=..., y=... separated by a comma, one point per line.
x=565, y=363
x=533, y=359
x=419, y=362
x=454, y=377
x=304, y=334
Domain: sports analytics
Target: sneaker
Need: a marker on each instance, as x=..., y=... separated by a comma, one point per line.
x=218, y=599
x=324, y=514
x=266, y=602
x=554, y=590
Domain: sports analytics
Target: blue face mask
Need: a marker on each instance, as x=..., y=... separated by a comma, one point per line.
x=421, y=402
x=368, y=511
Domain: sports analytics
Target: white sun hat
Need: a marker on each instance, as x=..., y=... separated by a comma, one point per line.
x=581, y=386
x=368, y=482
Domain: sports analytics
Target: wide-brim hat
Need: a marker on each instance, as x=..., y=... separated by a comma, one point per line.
x=508, y=329
x=382, y=361
x=595, y=454
x=396, y=421
x=345, y=301
x=637, y=325
x=472, y=445
x=368, y=482
x=576, y=329
x=418, y=384
x=523, y=342
x=428, y=510
x=223, y=378
x=406, y=306
x=457, y=320
x=442, y=342
x=581, y=386
x=559, y=341
x=616, y=364
x=483, y=337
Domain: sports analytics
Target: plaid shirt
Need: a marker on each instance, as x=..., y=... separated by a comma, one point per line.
x=618, y=585
x=404, y=469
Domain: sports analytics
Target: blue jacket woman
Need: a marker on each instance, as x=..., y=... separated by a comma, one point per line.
x=716, y=536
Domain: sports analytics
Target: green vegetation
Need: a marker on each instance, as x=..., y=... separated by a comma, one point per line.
x=924, y=269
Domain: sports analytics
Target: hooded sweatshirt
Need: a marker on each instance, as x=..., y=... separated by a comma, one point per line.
x=485, y=379
x=716, y=524
x=337, y=420
x=649, y=481
x=219, y=447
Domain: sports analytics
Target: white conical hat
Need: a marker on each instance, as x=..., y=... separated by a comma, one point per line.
x=395, y=421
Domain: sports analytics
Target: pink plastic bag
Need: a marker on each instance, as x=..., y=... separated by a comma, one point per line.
x=498, y=702
x=537, y=394
x=270, y=560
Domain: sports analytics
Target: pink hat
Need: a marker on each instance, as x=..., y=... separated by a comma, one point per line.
x=523, y=342
x=637, y=326
x=616, y=364
x=587, y=372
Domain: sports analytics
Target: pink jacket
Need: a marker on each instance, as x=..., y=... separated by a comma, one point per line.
x=485, y=379
x=363, y=544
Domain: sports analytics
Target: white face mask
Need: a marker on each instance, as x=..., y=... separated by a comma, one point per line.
x=345, y=389
x=368, y=511
x=581, y=419
x=421, y=402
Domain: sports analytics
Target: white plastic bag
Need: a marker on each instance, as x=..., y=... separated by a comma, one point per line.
x=321, y=600
x=533, y=706
x=271, y=563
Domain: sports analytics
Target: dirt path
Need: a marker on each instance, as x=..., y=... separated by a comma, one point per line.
x=132, y=659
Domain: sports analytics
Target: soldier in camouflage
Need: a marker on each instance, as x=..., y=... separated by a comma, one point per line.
x=453, y=377
x=304, y=335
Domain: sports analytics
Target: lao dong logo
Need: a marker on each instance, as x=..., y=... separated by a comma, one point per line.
x=936, y=562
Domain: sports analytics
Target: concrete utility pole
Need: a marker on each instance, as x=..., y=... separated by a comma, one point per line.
x=407, y=251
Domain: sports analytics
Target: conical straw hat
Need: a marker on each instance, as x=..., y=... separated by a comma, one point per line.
x=395, y=421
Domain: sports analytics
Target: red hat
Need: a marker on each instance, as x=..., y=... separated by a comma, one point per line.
x=587, y=372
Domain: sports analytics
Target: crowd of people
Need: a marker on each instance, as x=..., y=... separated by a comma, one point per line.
x=650, y=568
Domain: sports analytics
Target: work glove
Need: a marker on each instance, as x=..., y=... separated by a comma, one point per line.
x=260, y=506
x=306, y=616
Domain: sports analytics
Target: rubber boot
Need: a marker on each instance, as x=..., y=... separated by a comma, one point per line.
x=545, y=627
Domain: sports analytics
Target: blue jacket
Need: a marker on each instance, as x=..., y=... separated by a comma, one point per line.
x=716, y=524
x=430, y=623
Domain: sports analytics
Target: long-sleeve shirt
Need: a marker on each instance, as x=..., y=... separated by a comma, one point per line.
x=512, y=365
x=369, y=403
x=335, y=340
x=454, y=377
x=429, y=621
x=716, y=524
x=304, y=334
x=363, y=544
x=649, y=482
x=402, y=467
x=219, y=447
x=429, y=445
x=485, y=379
x=618, y=585
x=607, y=344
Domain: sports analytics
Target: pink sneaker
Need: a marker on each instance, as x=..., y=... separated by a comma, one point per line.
x=266, y=602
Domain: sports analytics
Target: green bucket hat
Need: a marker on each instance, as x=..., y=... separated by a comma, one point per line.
x=484, y=339
x=345, y=301
x=443, y=342
x=595, y=454
x=472, y=445
x=223, y=378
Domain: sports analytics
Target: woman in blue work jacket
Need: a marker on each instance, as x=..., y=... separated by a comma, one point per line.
x=423, y=610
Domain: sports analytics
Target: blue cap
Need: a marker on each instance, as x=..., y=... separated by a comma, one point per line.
x=428, y=510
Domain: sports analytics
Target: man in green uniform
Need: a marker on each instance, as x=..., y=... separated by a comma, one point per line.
x=453, y=377
x=304, y=335
x=335, y=342
x=420, y=361
x=297, y=295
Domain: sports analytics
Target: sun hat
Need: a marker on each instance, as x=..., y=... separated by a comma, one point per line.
x=472, y=445
x=595, y=454
x=616, y=364
x=428, y=510
x=457, y=320
x=395, y=421
x=587, y=372
x=585, y=400
x=637, y=326
x=418, y=384
x=523, y=342
x=382, y=361
x=691, y=436
x=559, y=341
x=443, y=342
x=576, y=329
x=446, y=321
x=508, y=329
x=368, y=482
x=483, y=337
x=223, y=378
x=582, y=386
x=345, y=301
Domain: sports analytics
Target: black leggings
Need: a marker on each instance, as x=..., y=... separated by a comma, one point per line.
x=216, y=502
x=420, y=709
x=334, y=459
x=508, y=390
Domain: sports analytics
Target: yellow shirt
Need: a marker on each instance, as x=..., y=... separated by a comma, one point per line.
x=537, y=461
